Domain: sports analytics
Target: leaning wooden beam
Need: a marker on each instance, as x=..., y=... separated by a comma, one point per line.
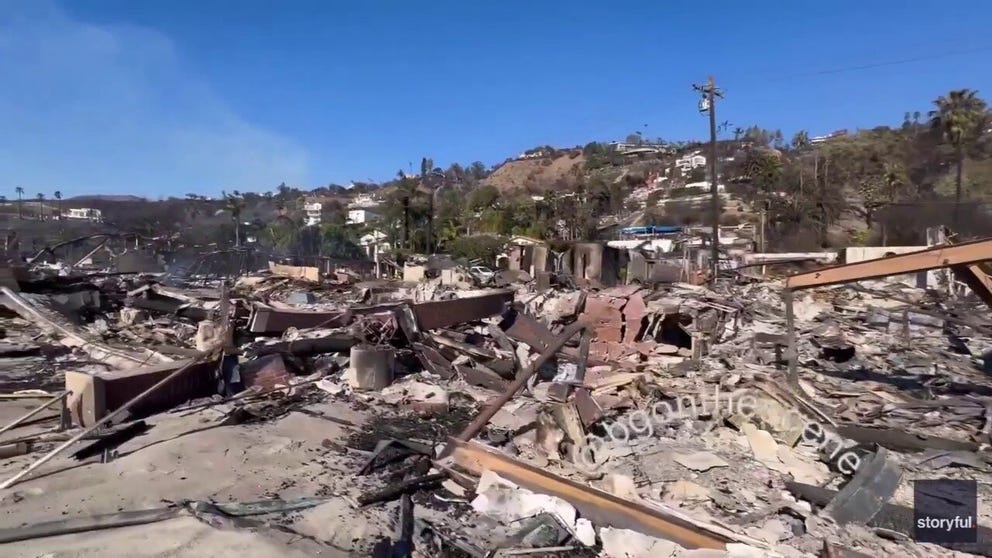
x=487, y=413
x=602, y=508
x=977, y=280
x=924, y=260
x=71, y=337
x=111, y=416
x=89, y=254
x=35, y=411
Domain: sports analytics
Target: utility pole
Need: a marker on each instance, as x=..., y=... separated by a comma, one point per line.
x=761, y=246
x=708, y=104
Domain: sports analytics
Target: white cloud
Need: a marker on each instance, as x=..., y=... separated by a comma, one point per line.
x=111, y=109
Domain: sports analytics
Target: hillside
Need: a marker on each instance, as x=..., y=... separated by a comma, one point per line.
x=105, y=198
x=538, y=174
x=883, y=185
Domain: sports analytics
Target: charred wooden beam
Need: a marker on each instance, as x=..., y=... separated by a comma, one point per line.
x=925, y=260
x=602, y=508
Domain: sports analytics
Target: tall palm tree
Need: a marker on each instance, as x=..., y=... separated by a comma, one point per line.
x=235, y=205
x=41, y=206
x=427, y=182
x=959, y=118
x=407, y=190
x=20, y=192
x=58, y=196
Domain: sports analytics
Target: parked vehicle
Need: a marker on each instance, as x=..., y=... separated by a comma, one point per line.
x=482, y=273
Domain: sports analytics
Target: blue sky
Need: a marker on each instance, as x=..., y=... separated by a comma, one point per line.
x=161, y=98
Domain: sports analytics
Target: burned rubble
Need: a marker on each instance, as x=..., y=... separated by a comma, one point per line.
x=316, y=411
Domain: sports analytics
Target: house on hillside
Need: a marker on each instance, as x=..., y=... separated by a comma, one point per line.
x=313, y=211
x=364, y=201
x=84, y=213
x=360, y=216
x=816, y=140
x=691, y=161
x=375, y=244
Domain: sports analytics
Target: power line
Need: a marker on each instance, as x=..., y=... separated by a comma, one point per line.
x=860, y=67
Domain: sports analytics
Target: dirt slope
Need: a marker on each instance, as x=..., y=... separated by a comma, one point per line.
x=535, y=175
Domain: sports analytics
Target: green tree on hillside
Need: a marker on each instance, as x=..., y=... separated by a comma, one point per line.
x=483, y=197
x=282, y=234
x=960, y=118
x=880, y=187
x=477, y=170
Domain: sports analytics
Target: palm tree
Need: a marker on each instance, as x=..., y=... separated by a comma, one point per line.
x=58, y=196
x=427, y=181
x=407, y=190
x=20, y=192
x=235, y=205
x=41, y=206
x=959, y=118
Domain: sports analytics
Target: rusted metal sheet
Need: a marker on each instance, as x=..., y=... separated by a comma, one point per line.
x=428, y=315
x=480, y=376
x=902, y=441
x=266, y=372
x=633, y=314
x=526, y=329
x=603, y=312
x=265, y=319
x=332, y=341
x=446, y=313
x=434, y=361
x=924, y=260
x=169, y=305
x=602, y=508
x=863, y=497
x=462, y=347
x=96, y=395
x=589, y=409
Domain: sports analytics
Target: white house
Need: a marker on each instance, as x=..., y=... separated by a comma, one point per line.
x=313, y=211
x=691, y=161
x=363, y=201
x=84, y=213
x=359, y=216
x=816, y=140
x=375, y=245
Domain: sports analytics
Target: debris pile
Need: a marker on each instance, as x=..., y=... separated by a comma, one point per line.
x=443, y=418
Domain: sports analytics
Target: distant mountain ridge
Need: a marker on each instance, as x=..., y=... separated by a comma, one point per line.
x=108, y=197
